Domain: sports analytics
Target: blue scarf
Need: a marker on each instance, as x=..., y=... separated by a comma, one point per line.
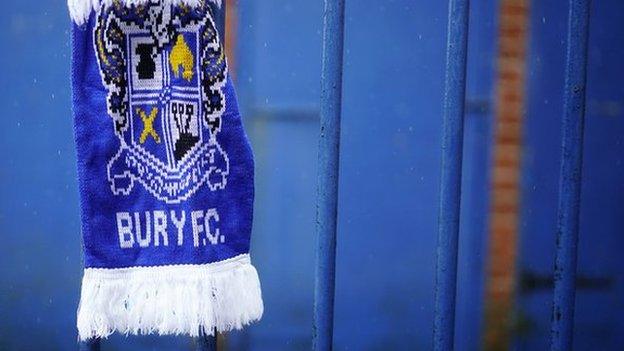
x=165, y=172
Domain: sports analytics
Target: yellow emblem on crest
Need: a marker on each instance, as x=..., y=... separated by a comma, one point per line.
x=181, y=55
x=148, y=125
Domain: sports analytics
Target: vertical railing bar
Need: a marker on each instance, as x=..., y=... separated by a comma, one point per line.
x=328, y=171
x=89, y=345
x=207, y=342
x=562, y=319
x=450, y=178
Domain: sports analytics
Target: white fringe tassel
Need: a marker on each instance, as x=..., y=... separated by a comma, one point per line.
x=178, y=299
x=79, y=10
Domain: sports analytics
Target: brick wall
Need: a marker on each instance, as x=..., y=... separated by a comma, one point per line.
x=507, y=149
x=231, y=37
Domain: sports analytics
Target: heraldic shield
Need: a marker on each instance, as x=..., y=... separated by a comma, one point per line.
x=165, y=71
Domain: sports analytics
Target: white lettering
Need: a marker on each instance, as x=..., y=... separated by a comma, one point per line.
x=197, y=228
x=132, y=229
x=212, y=236
x=126, y=240
x=143, y=241
x=160, y=228
x=179, y=224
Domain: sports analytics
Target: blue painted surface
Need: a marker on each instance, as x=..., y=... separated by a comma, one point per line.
x=390, y=164
x=90, y=345
x=391, y=129
x=475, y=176
x=562, y=324
x=206, y=343
x=600, y=268
x=40, y=255
x=40, y=263
x=451, y=175
x=328, y=173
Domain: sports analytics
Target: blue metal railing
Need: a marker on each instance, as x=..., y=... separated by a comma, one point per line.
x=328, y=159
x=89, y=345
x=207, y=342
x=562, y=324
x=450, y=176
x=570, y=179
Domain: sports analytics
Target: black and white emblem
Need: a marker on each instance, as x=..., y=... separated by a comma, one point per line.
x=165, y=71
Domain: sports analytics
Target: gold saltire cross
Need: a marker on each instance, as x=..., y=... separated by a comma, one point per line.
x=148, y=125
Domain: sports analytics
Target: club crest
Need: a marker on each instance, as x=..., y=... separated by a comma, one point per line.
x=165, y=71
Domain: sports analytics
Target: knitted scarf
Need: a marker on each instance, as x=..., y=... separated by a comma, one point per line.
x=165, y=172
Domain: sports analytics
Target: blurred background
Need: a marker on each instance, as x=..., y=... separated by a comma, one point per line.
x=390, y=164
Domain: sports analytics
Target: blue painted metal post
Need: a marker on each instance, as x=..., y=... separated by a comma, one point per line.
x=450, y=179
x=207, y=342
x=328, y=158
x=562, y=322
x=89, y=345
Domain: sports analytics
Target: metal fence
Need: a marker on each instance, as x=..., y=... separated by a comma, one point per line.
x=562, y=318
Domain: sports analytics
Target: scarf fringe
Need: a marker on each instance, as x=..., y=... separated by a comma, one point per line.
x=80, y=10
x=183, y=299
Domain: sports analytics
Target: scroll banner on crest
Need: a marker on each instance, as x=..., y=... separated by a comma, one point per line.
x=209, y=166
x=165, y=172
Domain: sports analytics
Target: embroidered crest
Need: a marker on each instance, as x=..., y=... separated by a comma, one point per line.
x=165, y=70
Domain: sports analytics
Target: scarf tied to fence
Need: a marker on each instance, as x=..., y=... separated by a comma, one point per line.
x=165, y=172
